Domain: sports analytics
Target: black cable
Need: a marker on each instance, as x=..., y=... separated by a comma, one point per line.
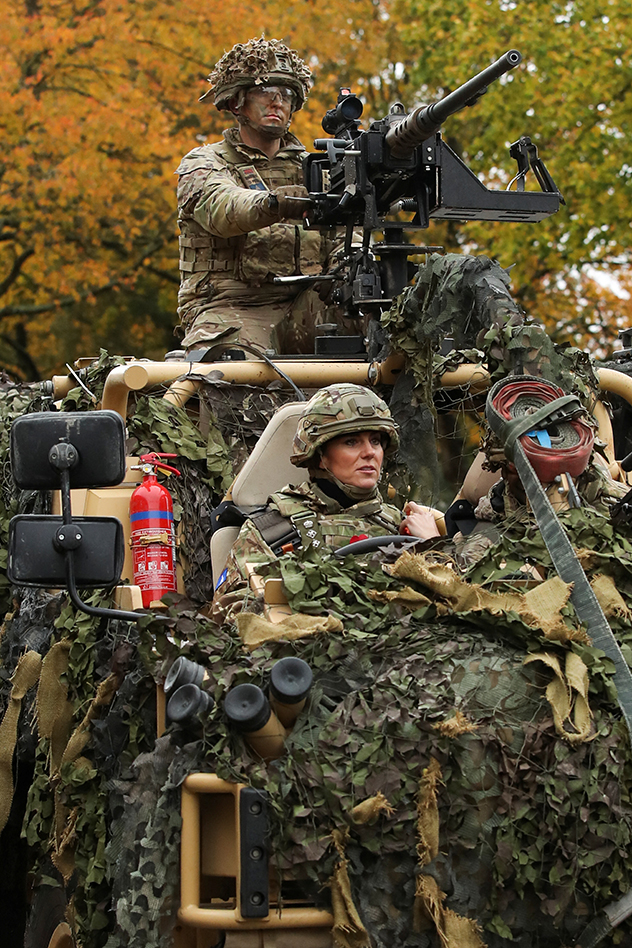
x=302, y=397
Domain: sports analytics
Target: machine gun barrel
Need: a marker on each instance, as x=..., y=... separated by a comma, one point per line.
x=404, y=137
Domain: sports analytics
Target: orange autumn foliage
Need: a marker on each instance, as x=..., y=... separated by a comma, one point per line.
x=98, y=102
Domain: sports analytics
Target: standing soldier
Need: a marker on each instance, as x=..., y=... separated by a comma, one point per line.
x=241, y=202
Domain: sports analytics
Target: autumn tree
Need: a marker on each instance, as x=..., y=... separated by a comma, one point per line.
x=573, y=95
x=98, y=102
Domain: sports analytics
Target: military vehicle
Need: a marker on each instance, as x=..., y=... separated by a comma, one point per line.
x=439, y=760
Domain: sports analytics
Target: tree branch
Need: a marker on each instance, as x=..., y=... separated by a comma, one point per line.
x=36, y=308
x=23, y=355
x=18, y=263
x=164, y=274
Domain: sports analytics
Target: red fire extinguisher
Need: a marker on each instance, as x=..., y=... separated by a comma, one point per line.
x=153, y=539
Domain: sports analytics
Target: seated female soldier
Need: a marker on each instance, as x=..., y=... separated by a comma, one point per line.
x=342, y=438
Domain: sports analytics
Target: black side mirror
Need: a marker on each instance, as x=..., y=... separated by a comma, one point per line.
x=62, y=451
x=98, y=439
x=37, y=557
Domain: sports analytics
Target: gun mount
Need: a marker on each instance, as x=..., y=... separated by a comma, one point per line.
x=401, y=162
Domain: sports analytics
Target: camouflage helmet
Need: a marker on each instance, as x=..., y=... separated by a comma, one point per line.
x=258, y=62
x=336, y=410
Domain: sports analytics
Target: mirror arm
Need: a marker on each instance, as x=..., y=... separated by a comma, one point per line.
x=99, y=611
x=70, y=540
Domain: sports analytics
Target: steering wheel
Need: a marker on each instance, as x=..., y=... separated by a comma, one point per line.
x=373, y=543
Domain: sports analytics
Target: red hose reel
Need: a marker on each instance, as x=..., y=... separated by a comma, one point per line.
x=559, y=448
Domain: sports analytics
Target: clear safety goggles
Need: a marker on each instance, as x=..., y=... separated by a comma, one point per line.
x=269, y=94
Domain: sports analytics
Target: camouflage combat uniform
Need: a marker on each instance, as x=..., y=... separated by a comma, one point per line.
x=324, y=511
x=321, y=522
x=232, y=244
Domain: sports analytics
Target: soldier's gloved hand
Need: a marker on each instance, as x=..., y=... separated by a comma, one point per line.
x=291, y=201
x=325, y=291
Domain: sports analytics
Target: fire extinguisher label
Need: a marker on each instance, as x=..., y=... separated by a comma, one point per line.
x=154, y=560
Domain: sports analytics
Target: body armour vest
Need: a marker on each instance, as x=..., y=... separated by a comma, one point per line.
x=321, y=521
x=211, y=178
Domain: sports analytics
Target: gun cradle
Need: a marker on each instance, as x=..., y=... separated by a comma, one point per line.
x=462, y=196
x=365, y=183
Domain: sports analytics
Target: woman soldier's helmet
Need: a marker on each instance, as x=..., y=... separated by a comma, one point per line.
x=341, y=409
x=258, y=62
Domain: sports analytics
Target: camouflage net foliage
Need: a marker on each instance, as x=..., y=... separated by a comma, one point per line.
x=533, y=830
x=467, y=300
x=102, y=814
x=82, y=811
x=426, y=711
x=242, y=412
x=95, y=713
x=15, y=399
x=258, y=61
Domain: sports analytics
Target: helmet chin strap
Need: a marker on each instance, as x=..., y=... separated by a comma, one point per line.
x=268, y=131
x=356, y=493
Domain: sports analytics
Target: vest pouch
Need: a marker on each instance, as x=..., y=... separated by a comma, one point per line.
x=310, y=242
x=338, y=532
x=270, y=250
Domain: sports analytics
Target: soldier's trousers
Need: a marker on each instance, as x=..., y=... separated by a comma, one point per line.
x=286, y=326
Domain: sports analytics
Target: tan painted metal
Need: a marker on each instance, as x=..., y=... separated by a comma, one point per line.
x=391, y=368
x=219, y=850
x=62, y=937
x=161, y=711
x=280, y=938
x=610, y=380
x=617, y=383
x=128, y=598
x=135, y=376
x=141, y=375
x=604, y=431
x=268, y=742
x=62, y=384
x=180, y=392
x=475, y=377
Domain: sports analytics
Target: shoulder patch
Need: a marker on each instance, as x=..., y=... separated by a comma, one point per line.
x=251, y=178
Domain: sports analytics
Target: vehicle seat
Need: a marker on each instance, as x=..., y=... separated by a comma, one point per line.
x=477, y=481
x=267, y=470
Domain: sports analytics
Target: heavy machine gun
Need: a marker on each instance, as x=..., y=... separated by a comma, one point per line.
x=357, y=178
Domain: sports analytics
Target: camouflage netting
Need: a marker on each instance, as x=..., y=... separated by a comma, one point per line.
x=259, y=61
x=437, y=790
x=15, y=400
x=533, y=817
x=467, y=300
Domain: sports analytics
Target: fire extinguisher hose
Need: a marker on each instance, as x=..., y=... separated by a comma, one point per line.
x=568, y=443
